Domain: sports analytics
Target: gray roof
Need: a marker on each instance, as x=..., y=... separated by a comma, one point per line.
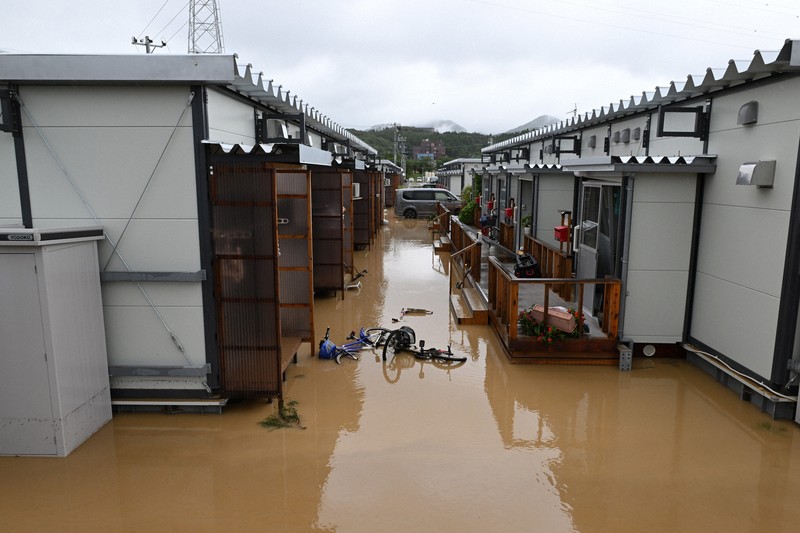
x=209, y=69
x=762, y=65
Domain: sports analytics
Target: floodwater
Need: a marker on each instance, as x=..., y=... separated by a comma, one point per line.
x=488, y=446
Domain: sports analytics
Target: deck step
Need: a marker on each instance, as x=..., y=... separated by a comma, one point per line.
x=473, y=299
x=170, y=405
x=459, y=310
x=467, y=308
x=441, y=244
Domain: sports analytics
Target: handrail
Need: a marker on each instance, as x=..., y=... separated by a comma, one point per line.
x=461, y=251
x=503, y=297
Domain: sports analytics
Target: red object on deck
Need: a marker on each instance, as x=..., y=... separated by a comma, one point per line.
x=562, y=233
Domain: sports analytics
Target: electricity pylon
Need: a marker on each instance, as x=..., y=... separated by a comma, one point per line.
x=205, y=28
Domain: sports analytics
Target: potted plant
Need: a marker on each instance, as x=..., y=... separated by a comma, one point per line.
x=526, y=224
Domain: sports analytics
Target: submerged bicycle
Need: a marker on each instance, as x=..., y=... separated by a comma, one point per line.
x=404, y=339
x=366, y=338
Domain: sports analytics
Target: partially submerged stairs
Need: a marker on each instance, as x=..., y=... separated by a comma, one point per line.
x=468, y=307
x=441, y=243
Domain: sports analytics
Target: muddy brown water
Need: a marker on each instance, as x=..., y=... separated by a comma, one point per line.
x=488, y=446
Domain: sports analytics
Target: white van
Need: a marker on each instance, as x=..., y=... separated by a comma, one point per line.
x=416, y=202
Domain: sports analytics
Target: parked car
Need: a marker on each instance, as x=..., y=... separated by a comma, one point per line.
x=421, y=201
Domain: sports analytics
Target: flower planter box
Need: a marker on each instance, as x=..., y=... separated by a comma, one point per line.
x=556, y=318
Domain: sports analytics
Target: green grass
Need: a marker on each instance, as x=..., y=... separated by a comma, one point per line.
x=287, y=416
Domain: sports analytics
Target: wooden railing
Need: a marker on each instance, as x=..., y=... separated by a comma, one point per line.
x=443, y=218
x=504, y=308
x=554, y=263
x=466, y=249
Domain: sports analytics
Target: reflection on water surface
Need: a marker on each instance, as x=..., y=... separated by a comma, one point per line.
x=484, y=447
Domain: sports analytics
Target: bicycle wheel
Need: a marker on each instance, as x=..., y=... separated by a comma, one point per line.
x=342, y=352
x=446, y=361
x=397, y=341
x=392, y=369
x=376, y=337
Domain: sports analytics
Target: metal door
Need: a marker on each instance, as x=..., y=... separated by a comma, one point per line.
x=598, y=236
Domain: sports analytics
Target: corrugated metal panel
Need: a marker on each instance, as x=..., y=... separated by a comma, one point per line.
x=244, y=241
x=243, y=83
x=762, y=65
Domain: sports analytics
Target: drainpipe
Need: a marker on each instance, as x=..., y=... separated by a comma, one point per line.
x=790, y=294
x=22, y=163
x=535, y=206
x=200, y=133
x=627, y=187
x=695, y=248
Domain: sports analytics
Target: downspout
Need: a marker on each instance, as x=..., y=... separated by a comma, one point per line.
x=695, y=250
x=22, y=162
x=199, y=134
x=790, y=291
x=535, y=206
x=627, y=188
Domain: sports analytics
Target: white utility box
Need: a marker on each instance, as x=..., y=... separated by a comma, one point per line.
x=54, y=385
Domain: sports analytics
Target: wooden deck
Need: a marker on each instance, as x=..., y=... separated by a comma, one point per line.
x=482, y=277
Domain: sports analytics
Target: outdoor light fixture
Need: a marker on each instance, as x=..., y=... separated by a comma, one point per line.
x=748, y=114
x=758, y=173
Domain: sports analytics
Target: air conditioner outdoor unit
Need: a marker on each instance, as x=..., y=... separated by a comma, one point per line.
x=356, y=190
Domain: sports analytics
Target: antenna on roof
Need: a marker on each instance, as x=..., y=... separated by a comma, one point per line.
x=147, y=42
x=574, y=111
x=205, y=28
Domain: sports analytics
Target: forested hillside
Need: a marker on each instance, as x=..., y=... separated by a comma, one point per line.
x=457, y=144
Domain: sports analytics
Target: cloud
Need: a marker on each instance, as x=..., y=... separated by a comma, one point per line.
x=487, y=64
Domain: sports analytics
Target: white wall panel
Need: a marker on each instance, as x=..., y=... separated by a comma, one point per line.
x=662, y=221
x=655, y=305
x=229, y=120
x=10, y=209
x=555, y=196
x=105, y=106
x=111, y=168
x=736, y=321
x=139, y=338
x=661, y=236
x=744, y=246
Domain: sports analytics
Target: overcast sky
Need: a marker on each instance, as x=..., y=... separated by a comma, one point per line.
x=489, y=65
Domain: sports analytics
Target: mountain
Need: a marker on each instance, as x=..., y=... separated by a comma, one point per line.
x=535, y=124
x=445, y=126
x=438, y=126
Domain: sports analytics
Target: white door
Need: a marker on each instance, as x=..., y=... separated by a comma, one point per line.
x=26, y=411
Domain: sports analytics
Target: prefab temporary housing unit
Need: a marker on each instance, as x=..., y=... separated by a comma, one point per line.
x=200, y=176
x=689, y=195
x=456, y=174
